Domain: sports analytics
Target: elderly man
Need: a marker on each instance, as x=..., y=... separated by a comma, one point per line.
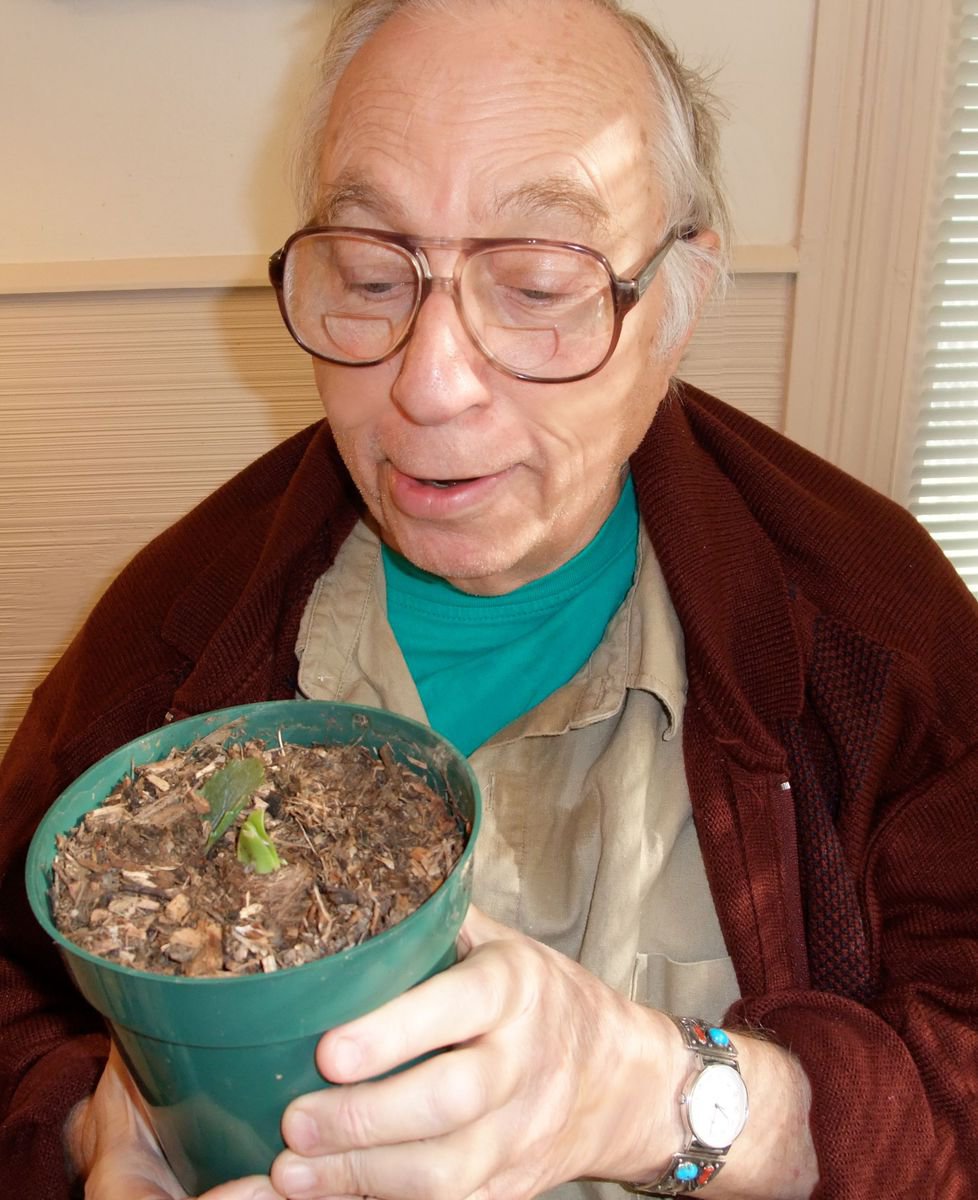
x=718, y=695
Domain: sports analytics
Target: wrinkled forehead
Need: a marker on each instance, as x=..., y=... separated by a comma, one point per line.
x=492, y=111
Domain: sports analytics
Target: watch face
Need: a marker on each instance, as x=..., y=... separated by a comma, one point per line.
x=716, y=1106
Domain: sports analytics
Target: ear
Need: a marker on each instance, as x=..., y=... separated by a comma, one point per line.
x=705, y=273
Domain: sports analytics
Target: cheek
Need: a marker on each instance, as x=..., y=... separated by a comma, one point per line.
x=351, y=412
x=357, y=405
x=622, y=403
x=351, y=398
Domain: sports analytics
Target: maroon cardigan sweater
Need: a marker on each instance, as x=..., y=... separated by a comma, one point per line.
x=831, y=745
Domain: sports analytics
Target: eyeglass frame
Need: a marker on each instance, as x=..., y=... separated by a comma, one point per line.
x=626, y=291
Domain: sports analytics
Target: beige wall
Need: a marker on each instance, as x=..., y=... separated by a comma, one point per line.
x=143, y=128
x=149, y=141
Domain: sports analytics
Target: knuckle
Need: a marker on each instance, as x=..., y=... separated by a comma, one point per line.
x=441, y=1180
x=463, y=1094
x=352, y=1122
x=508, y=978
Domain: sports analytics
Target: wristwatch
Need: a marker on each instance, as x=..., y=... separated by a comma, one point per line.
x=713, y=1107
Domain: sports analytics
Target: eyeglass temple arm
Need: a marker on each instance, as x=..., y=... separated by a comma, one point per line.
x=648, y=272
x=276, y=267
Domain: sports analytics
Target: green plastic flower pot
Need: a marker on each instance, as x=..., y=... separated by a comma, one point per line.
x=218, y=1059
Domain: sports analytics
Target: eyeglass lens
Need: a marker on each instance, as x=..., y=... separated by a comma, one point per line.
x=542, y=311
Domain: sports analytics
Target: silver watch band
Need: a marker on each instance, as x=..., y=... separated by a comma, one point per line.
x=695, y=1165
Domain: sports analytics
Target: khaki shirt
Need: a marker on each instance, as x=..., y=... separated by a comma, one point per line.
x=587, y=841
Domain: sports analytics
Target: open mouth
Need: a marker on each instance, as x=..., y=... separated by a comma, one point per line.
x=429, y=497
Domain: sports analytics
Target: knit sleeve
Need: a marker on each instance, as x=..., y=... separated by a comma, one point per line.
x=888, y=1031
x=263, y=530
x=831, y=736
x=52, y=1045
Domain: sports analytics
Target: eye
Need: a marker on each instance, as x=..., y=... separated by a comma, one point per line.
x=367, y=273
x=535, y=279
x=372, y=287
x=539, y=294
x=561, y=297
x=541, y=287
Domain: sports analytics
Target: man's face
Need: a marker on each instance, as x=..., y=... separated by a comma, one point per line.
x=521, y=120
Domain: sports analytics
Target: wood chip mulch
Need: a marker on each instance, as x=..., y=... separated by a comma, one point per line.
x=363, y=841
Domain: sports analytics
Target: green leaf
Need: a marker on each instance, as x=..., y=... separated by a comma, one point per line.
x=255, y=846
x=228, y=791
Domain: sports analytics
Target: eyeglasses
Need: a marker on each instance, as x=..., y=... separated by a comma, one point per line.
x=549, y=312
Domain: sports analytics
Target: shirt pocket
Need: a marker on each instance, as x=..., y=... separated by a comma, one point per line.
x=703, y=989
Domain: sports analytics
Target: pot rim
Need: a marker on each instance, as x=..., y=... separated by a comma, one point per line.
x=41, y=851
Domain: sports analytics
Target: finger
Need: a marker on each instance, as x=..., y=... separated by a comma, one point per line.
x=254, y=1187
x=433, y=1098
x=126, y=1160
x=466, y=1000
x=135, y=1171
x=449, y=1167
x=127, y=1176
x=113, y=1144
x=123, y=1174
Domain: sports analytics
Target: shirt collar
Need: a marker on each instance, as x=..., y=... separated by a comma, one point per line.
x=347, y=651
x=642, y=649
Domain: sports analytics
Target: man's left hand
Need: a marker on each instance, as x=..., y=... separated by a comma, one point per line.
x=545, y=1078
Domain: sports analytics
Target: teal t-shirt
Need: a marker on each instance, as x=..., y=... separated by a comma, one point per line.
x=479, y=662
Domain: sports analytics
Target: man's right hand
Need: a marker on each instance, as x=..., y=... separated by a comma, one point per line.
x=111, y=1143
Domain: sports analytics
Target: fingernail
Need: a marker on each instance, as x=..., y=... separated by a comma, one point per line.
x=301, y=1131
x=346, y=1055
x=264, y=1192
x=297, y=1177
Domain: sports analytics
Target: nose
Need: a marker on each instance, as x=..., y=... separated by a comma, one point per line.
x=441, y=374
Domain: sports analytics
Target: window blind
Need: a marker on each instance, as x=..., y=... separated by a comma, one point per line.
x=944, y=482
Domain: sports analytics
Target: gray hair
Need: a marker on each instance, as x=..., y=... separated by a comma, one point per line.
x=686, y=153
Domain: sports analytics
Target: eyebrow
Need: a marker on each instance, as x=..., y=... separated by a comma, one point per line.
x=556, y=193
x=352, y=191
x=538, y=197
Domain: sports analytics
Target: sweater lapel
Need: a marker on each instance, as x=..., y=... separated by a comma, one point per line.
x=694, y=476
x=239, y=620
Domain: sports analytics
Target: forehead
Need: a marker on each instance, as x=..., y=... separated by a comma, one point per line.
x=491, y=116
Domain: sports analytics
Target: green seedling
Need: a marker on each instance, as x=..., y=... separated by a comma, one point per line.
x=255, y=847
x=228, y=791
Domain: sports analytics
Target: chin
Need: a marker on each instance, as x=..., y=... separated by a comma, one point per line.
x=455, y=563
x=479, y=569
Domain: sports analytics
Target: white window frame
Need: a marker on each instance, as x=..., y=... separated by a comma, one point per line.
x=877, y=88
